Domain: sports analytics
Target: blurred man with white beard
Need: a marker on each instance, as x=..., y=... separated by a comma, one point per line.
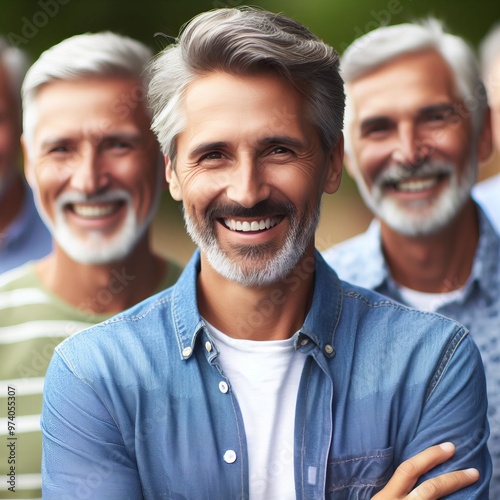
x=23, y=236
x=96, y=171
x=417, y=127
x=487, y=193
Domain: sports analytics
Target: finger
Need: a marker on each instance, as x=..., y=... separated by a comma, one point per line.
x=443, y=485
x=407, y=474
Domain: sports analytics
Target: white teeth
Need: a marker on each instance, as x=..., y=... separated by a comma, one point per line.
x=93, y=211
x=414, y=185
x=246, y=226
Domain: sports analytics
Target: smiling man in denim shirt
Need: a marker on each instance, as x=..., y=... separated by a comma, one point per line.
x=259, y=374
x=417, y=126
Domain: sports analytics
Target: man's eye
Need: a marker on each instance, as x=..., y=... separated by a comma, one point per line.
x=213, y=155
x=374, y=131
x=436, y=117
x=440, y=116
x=118, y=144
x=280, y=150
x=59, y=149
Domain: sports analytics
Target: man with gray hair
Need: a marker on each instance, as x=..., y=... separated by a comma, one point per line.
x=259, y=374
x=487, y=193
x=96, y=171
x=23, y=236
x=417, y=126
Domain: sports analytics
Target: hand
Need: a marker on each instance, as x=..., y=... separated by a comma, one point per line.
x=407, y=474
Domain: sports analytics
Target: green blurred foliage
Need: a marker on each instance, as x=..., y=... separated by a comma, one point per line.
x=38, y=24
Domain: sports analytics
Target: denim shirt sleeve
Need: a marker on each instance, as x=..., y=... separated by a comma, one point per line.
x=84, y=455
x=455, y=410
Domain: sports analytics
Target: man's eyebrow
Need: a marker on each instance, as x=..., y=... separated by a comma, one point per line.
x=443, y=107
x=275, y=139
x=382, y=119
x=374, y=120
x=127, y=136
x=286, y=140
x=52, y=141
x=206, y=147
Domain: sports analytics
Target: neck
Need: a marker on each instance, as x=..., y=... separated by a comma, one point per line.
x=273, y=312
x=437, y=263
x=105, y=288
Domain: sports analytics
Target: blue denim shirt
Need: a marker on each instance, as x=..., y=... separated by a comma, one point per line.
x=134, y=407
x=26, y=238
x=361, y=260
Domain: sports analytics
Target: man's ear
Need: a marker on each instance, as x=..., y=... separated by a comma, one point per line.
x=334, y=167
x=174, y=185
x=29, y=171
x=485, y=140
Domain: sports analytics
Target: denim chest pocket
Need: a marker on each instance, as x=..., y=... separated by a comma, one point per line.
x=359, y=477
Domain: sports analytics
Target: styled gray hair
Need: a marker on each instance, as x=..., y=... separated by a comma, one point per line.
x=246, y=41
x=98, y=55
x=16, y=63
x=489, y=49
x=387, y=43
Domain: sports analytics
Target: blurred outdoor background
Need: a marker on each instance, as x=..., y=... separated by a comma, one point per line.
x=35, y=25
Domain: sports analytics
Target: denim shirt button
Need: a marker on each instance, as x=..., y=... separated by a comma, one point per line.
x=186, y=352
x=230, y=456
x=304, y=341
x=223, y=387
x=208, y=346
x=328, y=349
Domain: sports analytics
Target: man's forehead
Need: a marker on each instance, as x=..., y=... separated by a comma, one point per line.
x=415, y=81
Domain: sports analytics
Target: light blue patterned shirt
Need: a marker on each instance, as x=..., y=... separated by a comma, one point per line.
x=360, y=260
x=487, y=194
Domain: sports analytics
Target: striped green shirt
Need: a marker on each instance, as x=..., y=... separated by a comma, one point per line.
x=32, y=322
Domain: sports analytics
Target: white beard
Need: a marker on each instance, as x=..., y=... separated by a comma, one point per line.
x=423, y=217
x=258, y=270
x=95, y=247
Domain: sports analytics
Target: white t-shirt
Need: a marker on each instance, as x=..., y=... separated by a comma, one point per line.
x=430, y=302
x=265, y=377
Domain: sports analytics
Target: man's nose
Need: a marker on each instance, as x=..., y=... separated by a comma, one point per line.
x=87, y=174
x=247, y=183
x=410, y=149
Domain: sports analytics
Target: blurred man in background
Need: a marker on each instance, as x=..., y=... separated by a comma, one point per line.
x=97, y=174
x=487, y=193
x=417, y=126
x=23, y=236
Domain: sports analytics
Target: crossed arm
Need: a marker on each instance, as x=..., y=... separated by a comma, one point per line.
x=407, y=474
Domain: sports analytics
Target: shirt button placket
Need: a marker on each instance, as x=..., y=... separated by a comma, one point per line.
x=230, y=455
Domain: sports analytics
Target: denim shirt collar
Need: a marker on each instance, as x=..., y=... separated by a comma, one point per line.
x=319, y=326
x=484, y=272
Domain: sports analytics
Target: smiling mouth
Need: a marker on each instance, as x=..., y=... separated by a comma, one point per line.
x=94, y=210
x=246, y=226
x=416, y=184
